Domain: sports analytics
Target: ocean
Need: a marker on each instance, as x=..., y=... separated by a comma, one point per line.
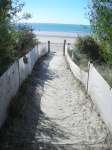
x=74, y=28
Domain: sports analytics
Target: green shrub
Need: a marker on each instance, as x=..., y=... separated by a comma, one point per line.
x=25, y=40
x=88, y=45
x=22, y=40
x=106, y=51
x=14, y=41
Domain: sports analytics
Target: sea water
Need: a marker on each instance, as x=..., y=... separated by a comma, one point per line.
x=74, y=28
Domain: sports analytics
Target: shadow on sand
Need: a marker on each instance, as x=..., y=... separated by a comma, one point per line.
x=26, y=122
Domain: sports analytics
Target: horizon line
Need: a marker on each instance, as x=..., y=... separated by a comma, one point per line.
x=55, y=23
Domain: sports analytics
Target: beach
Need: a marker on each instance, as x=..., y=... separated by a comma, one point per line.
x=57, y=37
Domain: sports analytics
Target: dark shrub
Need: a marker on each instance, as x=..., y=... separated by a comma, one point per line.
x=25, y=40
x=88, y=45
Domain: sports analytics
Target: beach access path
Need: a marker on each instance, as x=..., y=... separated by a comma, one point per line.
x=59, y=113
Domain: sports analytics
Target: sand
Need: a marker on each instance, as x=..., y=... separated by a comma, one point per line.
x=69, y=114
x=58, y=114
x=56, y=37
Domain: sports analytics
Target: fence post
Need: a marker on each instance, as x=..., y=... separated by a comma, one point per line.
x=64, y=47
x=19, y=73
x=89, y=63
x=48, y=46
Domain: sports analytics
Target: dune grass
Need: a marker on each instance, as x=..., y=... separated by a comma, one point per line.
x=82, y=60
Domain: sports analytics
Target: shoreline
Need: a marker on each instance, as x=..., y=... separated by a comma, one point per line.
x=57, y=37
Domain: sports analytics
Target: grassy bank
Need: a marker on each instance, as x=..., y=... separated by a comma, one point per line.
x=88, y=50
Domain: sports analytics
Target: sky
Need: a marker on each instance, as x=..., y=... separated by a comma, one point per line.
x=56, y=11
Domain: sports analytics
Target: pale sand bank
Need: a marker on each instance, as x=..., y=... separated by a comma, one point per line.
x=57, y=37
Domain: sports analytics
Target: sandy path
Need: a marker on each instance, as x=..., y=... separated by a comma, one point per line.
x=71, y=117
x=56, y=113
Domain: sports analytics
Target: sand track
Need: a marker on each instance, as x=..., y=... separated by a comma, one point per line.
x=59, y=114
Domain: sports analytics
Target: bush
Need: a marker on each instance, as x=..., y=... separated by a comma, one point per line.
x=25, y=40
x=15, y=41
x=106, y=51
x=88, y=45
x=22, y=40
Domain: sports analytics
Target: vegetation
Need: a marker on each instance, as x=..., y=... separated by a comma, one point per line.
x=88, y=45
x=26, y=40
x=87, y=48
x=100, y=16
x=14, y=40
x=97, y=47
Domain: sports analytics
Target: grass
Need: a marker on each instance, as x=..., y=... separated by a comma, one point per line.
x=18, y=103
x=82, y=60
x=13, y=126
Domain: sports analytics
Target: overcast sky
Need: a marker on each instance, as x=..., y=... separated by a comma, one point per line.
x=56, y=11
